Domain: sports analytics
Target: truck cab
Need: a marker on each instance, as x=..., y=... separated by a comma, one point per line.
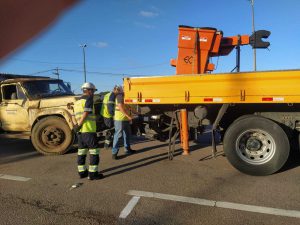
x=41, y=107
x=13, y=108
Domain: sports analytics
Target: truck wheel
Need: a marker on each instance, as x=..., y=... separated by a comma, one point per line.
x=52, y=136
x=244, y=117
x=256, y=146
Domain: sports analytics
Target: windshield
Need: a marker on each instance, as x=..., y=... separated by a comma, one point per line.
x=46, y=88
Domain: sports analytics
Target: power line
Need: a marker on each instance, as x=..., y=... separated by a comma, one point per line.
x=43, y=71
x=78, y=63
x=101, y=73
x=88, y=72
x=138, y=67
x=42, y=62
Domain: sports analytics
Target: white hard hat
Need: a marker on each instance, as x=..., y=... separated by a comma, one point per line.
x=88, y=85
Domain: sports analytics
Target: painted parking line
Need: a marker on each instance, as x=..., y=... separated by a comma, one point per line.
x=218, y=204
x=15, y=178
x=129, y=207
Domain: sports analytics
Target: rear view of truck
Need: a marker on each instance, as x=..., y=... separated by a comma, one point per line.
x=257, y=113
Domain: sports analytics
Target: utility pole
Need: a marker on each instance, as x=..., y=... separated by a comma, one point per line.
x=56, y=73
x=83, y=46
x=253, y=30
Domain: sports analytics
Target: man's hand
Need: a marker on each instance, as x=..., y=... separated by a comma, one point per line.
x=77, y=128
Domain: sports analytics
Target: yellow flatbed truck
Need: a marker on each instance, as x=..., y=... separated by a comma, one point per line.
x=257, y=113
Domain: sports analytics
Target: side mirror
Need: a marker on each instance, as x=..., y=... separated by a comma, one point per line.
x=256, y=39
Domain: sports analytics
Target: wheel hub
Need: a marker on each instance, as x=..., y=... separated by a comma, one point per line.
x=52, y=136
x=255, y=146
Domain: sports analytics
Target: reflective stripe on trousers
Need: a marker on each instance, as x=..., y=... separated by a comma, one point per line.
x=94, y=159
x=93, y=168
x=81, y=168
x=94, y=151
x=82, y=151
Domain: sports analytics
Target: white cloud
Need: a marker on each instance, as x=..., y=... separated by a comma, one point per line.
x=100, y=44
x=144, y=25
x=148, y=14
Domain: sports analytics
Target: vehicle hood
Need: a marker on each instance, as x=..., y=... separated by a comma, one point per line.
x=61, y=101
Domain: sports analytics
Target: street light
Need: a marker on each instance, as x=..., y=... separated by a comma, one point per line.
x=83, y=46
x=253, y=30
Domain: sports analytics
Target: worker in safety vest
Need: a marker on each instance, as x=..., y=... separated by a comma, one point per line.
x=87, y=138
x=107, y=112
x=122, y=119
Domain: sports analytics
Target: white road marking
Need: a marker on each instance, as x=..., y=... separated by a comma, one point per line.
x=259, y=209
x=16, y=178
x=219, y=204
x=129, y=207
x=176, y=198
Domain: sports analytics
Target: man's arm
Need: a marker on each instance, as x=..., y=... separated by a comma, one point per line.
x=123, y=110
x=83, y=117
x=134, y=111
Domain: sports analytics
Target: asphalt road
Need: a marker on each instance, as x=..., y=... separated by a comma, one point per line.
x=47, y=198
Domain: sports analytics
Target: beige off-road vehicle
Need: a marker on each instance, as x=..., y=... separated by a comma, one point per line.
x=41, y=107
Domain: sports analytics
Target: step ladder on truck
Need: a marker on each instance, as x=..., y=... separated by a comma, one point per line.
x=257, y=113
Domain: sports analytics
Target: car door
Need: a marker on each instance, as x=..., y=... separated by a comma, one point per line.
x=14, y=108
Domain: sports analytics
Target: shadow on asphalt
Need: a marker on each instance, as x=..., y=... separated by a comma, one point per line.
x=15, y=149
x=153, y=159
x=134, y=140
x=210, y=156
x=156, y=158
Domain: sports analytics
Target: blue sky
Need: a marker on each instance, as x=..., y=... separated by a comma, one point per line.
x=139, y=37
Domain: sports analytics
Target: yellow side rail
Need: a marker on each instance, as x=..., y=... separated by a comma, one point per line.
x=246, y=87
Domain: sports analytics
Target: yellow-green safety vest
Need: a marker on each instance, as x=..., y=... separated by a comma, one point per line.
x=118, y=114
x=89, y=124
x=104, y=109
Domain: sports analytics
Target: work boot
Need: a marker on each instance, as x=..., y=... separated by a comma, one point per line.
x=95, y=176
x=106, y=144
x=129, y=151
x=83, y=174
x=114, y=156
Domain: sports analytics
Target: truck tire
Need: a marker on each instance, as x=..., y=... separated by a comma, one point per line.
x=52, y=136
x=256, y=146
x=244, y=117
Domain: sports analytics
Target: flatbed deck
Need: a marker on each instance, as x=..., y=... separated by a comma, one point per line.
x=280, y=86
